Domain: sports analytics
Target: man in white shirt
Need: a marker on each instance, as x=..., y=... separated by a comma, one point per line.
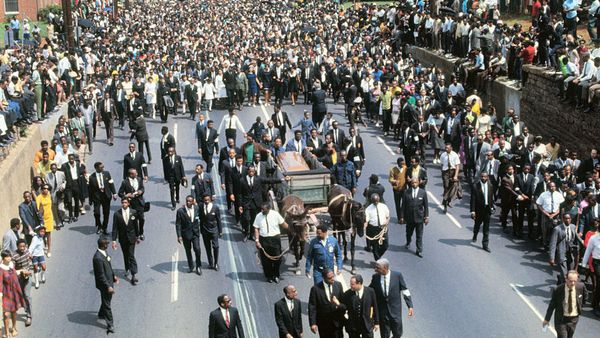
x=549, y=205
x=266, y=234
x=376, y=222
x=231, y=123
x=450, y=169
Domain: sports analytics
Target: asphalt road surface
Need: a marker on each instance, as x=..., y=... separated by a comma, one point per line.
x=458, y=289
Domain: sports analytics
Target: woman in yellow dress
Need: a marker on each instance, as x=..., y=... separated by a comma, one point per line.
x=44, y=204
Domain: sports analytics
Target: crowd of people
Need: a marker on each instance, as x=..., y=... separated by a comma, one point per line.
x=147, y=64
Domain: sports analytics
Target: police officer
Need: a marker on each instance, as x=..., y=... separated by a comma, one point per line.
x=321, y=252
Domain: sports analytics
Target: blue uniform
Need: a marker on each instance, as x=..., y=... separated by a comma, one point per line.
x=322, y=256
x=344, y=174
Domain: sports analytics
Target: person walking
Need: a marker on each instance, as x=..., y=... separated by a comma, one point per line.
x=482, y=207
x=288, y=314
x=10, y=238
x=11, y=294
x=225, y=321
x=208, y=144
x=389, y=287
x=231, y=123
x=187, y=226
x=105, y=279
x=133, y=189
x=126, y=231
x=211, y=230
x=376, y=223
x=450, y=169
x=566, y=304
x=548, y=204
x=325, y=310
x=101, y=189
x=361, y=304
x=266, y=233
x=74, y=177
x=563, y=244
x=593, y=251
x=24, y=269
x=174, y=173
x=36, y=250
x=397, y=178
x=321, y=253
x=415, y=212
x=135, y=159
x=202, y=184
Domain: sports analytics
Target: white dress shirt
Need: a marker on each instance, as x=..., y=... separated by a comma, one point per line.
x=592, y=249
x=375, y=210
x=268, y=226
x=449, y=161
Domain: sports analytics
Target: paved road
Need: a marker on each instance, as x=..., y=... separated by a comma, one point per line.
x=458, y=289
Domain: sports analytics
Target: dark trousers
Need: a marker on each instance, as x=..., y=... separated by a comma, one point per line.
x=208, y=159
x=72, y=198
x=272, y=246
x=120, y=113
x=105, y=206
x=387, y=120
x=378, y=249
x=565, y=328
x=230, y=133
x=596, y=299
x=248, y=216
x=128, y=250
x=508, y=206
x=398, y=194
x=105, y=310
x=141, y=148
x=525, y=208
x=194, y=243
x=230, y=97
x=174, y=190
x=482, y=217
x=211, y=245
x=239, y=97
x=282, y=132
x=390, y=325
x=90, y=135
x=450, y=187
x=141, y=219
x=333, y=332
x=192, y=106
x=110, y=131
x=359, y=333
x=25, y=284
x=418, y=228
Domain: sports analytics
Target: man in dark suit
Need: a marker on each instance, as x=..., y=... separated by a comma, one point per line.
x=482, y=207
x=281, y=121
x=202, y=184
x=135, y=159
x=525, y=186
x=587, y=165
x=225, y=321
x=363, y=314
x=571, y=295
x=101, y=189
x=208, y=144
x=105, y=281
x=319, y=107
x=191, y=97
x=172, y=83
x=421, y=128
x=140, y=132
x=508, y=199
x=211, y=229
x=224, y=153
x=288, y=314
x=408, y=140
x=325, y=310
x=133, y=189
x=232, y=179
x=29, y=215
x=469, y=142
x=314, y=142
x=415, y=212
x=451, y=127
x=390, y=288
x=187, y=226
x=108, y=113
x=167, y=141
x=174, y=174
x=337, y=135
x=563, y=247
x=74, y=178
x=126, y=231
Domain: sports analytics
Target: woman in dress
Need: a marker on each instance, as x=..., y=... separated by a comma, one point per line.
x=150, y=95
x=265, y=76
x=436, y=134
x=209, y=91
x=294, y=79
x=483, y=122
x=12, y=296
x=44, y=205
x=221, y=91
x=252, y=86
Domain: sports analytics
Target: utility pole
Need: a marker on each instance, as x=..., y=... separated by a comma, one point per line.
x=68, y=23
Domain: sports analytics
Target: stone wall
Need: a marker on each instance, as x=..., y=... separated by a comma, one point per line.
x=545, y=114
x=16, y=171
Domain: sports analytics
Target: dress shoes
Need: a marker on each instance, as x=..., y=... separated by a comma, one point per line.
x=110, y=329
x=98, y=232
x=407, y=245
x=487, y=249
x=126, y=275
x=276, y=280
x=420, y=254
x=142, y=237
x=216, y=267
x=191, y=270
x=28, y=322
x=199, y=271
x=172, y=208
x=134, y=280
x=474, y=239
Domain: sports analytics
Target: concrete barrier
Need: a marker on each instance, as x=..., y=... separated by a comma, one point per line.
x=16, y=171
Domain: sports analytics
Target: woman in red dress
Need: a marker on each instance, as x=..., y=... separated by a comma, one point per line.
x=12, y=296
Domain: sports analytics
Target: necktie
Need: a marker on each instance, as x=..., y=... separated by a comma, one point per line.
x=106, y=106
x=206, y=209
x=251, y=182
x=227, y=318
x=485, y=193
x=190, y=214
x=335, y=133
x=207, y=134
x=421, y=126
x=526, y=177
x=55, y=183
x=133, y=155
x=330, y=292
x=291, y=306
x=172, y=161
x=489, y=168
x=378, y=220
x=271, y=132
x=101, y=181
x=230, y=121
x=298, y=146
x=126, y=215
x=551, y=202
x=570, y=305
x=267, y=223
x=231, y=163
x=568, y=231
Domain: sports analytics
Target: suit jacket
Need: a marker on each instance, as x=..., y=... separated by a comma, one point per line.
x=340, y=139
x=137, y=202
x=281, y=124
x=109, y=114
x=252, y=196
x=288, y=322
x=526, y=187
x=103, y=272
x=414, y=210
x=210, y=223
x=211, y=145
x=224, y=155
x=126, y=231
x=164, y=146
x=368, y=316
x=422, y=176
x=201, y=187
x=478, y=153
x=30, y=216
x=318, y=102
x=70, y=183
x=315, y=145
x=493, y=174
x=291, y=145
x=557, y=301
x=137, y=162
x=232, y=178
x=559, y=246
x=60, y=182
x=275, y=132
x=218, y=329
x=507, y=197
x=477, y=203
x=321, y=311
x=98, y=195
x=392, y=303
x=454, y=131
x=359, y=147
x=186, y=227
x=173, y=171
x=262, y=168
x=587, y=217
x=9, y=241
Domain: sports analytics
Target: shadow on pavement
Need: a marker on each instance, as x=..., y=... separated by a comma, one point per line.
x=456, y=242
x=85, y=318
x=166, y=267
x=84, y=229
x=249, y=276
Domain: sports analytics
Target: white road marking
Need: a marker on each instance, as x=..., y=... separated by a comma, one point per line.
x=264, y=110
x=516, y=287
x=175, y=131
x=241, y=294
x=386, y=146
x=454, y=220
x=174, y=277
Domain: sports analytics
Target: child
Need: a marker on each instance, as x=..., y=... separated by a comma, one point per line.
x=36, y=249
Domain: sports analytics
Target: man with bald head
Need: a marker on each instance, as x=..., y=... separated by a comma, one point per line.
x=415, y=212
x=288, y=314
x=376, y=222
